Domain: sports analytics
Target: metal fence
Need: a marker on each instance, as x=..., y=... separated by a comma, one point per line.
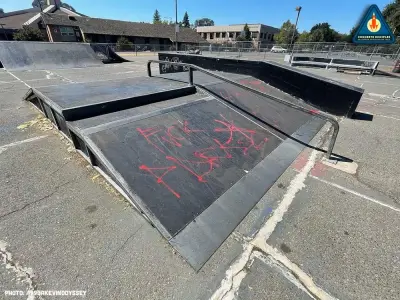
x=344, y=50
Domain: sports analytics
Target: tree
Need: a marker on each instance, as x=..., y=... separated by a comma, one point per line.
x=203, y=22
x=1, y=11
x=304, y=37
x=156, y=17
x=35, y=3
x=285, y=34
x=247, y=33
x=391, y=13
x=124, y=44
x=28, y=33
x=185, y=21
x=322, y=32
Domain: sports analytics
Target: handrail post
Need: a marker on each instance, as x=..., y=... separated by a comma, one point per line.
x=149, y=68
x=190, y=76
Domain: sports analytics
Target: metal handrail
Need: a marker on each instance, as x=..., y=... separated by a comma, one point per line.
x=316, y=113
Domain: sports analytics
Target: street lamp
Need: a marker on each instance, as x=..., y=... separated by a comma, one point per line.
x=4, y=31
x=298, y=9
x=176, y=24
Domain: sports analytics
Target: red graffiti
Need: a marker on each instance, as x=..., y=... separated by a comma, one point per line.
x=204, y=160
x=160, y=179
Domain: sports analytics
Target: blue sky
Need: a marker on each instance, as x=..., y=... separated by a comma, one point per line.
x=341, y=14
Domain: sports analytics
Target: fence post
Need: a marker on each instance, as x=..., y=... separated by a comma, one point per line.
x=136, y=49
x=373, y=51
x=341, y=54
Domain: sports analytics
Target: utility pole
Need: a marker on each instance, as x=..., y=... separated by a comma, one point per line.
x=4, y=31
x=176, y=24
x=298, y=9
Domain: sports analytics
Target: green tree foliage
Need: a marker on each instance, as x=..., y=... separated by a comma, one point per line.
x=247, y=33
x=28, y=33
x=124, y=44
x=304, y=37
x=322, y=32
x=35, y=3
x=391, y=13
x=185, y=21
x=204, y=22
x=156, y=17
x=1, y=11
x=285, y=34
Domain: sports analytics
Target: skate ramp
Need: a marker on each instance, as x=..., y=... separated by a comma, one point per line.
x=22, y=56
x=194, y=163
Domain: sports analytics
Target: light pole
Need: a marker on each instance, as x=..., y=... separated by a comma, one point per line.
x=298, y=9
x=176, y=24
x=4, y=31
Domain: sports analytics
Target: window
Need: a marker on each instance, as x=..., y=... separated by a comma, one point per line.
x=67, y=31
x=224, y=35
x=231, y=34
x=204, y=35
x=254, y=35
x=217, y=35
x=211, y=35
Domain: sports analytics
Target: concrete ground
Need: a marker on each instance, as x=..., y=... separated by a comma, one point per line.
x=323, y=231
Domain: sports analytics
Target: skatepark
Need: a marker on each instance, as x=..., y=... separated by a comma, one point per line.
x=199, y=178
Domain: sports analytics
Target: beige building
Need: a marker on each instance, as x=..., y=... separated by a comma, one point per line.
x=229, y=33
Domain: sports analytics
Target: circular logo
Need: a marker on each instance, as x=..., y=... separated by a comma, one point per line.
x=374, y=25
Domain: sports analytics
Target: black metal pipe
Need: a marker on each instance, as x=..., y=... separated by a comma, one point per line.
x=316, y=113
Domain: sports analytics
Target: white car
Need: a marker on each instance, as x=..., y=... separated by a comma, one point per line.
x=278, y=49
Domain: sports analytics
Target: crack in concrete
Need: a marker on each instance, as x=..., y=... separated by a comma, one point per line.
x=124, y=244
x=24, y=274
x=237, y=271
x=40, y=199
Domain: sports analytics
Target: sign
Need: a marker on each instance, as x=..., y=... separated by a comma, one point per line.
x=373, y=28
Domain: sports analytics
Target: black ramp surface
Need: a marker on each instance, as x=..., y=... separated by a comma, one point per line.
x=42, y=56
x=180, y=162
x=83, y=94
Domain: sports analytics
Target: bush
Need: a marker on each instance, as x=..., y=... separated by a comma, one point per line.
x=124, y=44
x=28, y=33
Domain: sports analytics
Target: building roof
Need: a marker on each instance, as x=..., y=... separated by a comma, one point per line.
x=124, y=28
x=16, y=19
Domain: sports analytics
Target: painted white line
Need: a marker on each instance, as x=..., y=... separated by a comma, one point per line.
x=5, y=82
x=394, y=93
x=20, y=80
x=389, y=117
x=369, y=100
x=230, y=284
x=356, y=193
x=23, y=274
x=385, y=105
x=5, y=147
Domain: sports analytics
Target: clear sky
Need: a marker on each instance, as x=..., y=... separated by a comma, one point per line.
x=341, y=14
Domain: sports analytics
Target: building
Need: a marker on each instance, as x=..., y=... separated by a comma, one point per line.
x=224, y=34
x=62, y=25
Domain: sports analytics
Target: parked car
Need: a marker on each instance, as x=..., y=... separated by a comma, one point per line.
x=278, y=49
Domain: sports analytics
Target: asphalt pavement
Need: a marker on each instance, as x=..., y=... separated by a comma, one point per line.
x=325, y=230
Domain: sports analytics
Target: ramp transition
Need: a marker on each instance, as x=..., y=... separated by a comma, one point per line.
x=331, y=96
x=44, y=56
x=191, y=161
